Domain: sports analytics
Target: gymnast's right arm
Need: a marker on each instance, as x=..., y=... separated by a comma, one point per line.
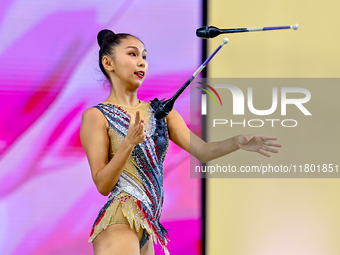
x=95, y=140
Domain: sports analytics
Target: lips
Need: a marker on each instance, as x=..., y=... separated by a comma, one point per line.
x=140, y=74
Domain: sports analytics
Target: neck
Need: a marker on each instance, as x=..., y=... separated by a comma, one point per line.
x=123, y=97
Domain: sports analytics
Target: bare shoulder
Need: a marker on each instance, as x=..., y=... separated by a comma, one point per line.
x=93, y=116
x=92, y=113
x=175, y=122
x=173, y=116
x=178, y=130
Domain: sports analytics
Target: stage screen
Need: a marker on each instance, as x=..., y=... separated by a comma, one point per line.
x=49, y=75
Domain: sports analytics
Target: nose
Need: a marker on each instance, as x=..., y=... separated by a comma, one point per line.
x=141, y=62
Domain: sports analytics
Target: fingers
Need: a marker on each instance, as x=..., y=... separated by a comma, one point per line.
x=132, y=117
x=264, y=153
x=140, y=122
x=272, y=144
x=262, y=144
x=137, y=116
x=137, y=126
x=267, y=137
x=265, y=148
x=269, y=149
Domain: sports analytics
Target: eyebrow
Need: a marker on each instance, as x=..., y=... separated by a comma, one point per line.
x=134, y=47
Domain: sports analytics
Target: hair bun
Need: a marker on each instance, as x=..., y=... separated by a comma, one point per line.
x=104, y=34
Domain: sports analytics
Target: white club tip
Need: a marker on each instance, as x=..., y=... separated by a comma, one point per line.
x=295, y=26
x=225, y=41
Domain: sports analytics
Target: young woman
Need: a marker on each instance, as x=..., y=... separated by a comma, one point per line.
x=125, y=146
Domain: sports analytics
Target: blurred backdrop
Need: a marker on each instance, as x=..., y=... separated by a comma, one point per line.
x=278, y=216
x=49, y=75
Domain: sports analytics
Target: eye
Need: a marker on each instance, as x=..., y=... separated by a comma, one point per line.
x=132, y=54
x=144, y=57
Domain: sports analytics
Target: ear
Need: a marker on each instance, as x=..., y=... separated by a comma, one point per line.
x=108, y=63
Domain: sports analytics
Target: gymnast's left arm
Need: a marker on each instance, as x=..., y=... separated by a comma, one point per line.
x=181, y=135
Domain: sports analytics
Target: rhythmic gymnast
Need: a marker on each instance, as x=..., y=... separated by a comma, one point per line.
x=125, y=146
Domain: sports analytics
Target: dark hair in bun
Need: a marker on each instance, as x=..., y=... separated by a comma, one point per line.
x=107, y=41
x=103, y=34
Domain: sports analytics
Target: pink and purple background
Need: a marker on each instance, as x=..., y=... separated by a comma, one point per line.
x=49, y=75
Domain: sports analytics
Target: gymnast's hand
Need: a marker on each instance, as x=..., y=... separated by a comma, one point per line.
x=135, y=134
x=257, y=143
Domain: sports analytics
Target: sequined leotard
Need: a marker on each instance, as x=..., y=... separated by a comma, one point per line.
x=137, y=198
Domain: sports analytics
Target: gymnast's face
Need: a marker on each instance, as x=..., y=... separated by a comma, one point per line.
x=129, y=63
